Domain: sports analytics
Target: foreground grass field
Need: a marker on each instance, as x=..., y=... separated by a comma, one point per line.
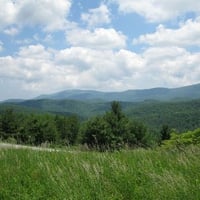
x=139, y=174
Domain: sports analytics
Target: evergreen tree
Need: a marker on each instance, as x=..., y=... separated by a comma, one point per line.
x=9, y=123
x=96, y=134
x=106, y=132
x=165, y=132
x=67, y=128
x=1, y=129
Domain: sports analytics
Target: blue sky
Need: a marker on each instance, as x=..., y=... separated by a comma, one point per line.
x=109, y=45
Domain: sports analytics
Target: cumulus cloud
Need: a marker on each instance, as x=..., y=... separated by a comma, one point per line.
x=171, y=66
x=49, y=14
x=37, y=69
x=97, y=16
x=100, y=38
x=188, y=34
x=95, y=57
x=30, y=64
x=99, y=69
x=35, y=52
x=8, y=13
x=156, y=10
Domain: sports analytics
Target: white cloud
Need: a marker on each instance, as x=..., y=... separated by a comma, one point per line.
x=100, y=38
x=123, y=69
x=171, y=66
x=188, y=34
x=8, y=13
x=41, y=70
x=97, y=16
x=35, y=52
x=99, y=69
x=11, y=31
x=31, y=63
x=156, y=10
x=1, y=46
x=36, y=69
x=51, y=15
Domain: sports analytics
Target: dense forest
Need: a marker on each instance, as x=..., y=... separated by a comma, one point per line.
x=179, y=115
x=110, y=130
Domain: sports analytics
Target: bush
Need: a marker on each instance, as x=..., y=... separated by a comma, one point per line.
x=113, y=131
x=183, y=139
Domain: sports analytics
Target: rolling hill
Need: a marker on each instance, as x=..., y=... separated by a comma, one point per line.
x=178, y=107
x=181, y=115
x=160, y=94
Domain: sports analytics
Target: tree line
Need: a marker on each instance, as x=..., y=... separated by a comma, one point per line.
x=113, y=130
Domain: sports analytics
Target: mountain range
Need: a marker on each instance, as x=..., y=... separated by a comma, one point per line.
x=160, y=94
x=177, y=107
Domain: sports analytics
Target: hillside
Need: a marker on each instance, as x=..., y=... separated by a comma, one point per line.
x=178, y=107
x=161, y=94
x=181, y=115
x=140, y=174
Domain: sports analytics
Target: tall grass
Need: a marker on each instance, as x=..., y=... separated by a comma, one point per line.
x=138, y=174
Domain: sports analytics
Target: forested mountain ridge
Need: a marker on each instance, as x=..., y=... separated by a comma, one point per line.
x=161, y=94
x=181, y=115
x=178, y=107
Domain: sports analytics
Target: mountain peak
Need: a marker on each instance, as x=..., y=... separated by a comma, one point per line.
x=162, y=94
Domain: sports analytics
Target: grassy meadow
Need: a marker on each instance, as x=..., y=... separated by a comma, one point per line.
x=72, y=175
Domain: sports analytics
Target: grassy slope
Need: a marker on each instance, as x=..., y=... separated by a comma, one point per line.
x=139, y=174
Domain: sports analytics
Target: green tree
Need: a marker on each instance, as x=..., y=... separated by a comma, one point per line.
x=9, y=123
x=33, y=130
x=116, y=110
x=40, y=129
x=1, y=129
x=108, y=131
x=48, y=129
x=94, y=133
x=117, y=123
x=136, y=134
x=67, y=128
x=165, y=132
x=72, y=129
x=21, y=136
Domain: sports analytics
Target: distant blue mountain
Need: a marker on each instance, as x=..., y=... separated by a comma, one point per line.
x=160, y=94
x=177, y=107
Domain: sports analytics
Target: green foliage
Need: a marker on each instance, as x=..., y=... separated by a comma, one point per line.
x=97, y=134
x=183, y=139
x=36, y=129
x=11, y=140
x=110, y=130
x=179, y=115
x=136, y=134
x=165, y=132
x=68, y=128
x=139, y=174
x=9, y=124
x=113, y=131
x=1, y=128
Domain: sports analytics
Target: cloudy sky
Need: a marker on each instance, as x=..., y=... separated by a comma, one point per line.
x=109, y=45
